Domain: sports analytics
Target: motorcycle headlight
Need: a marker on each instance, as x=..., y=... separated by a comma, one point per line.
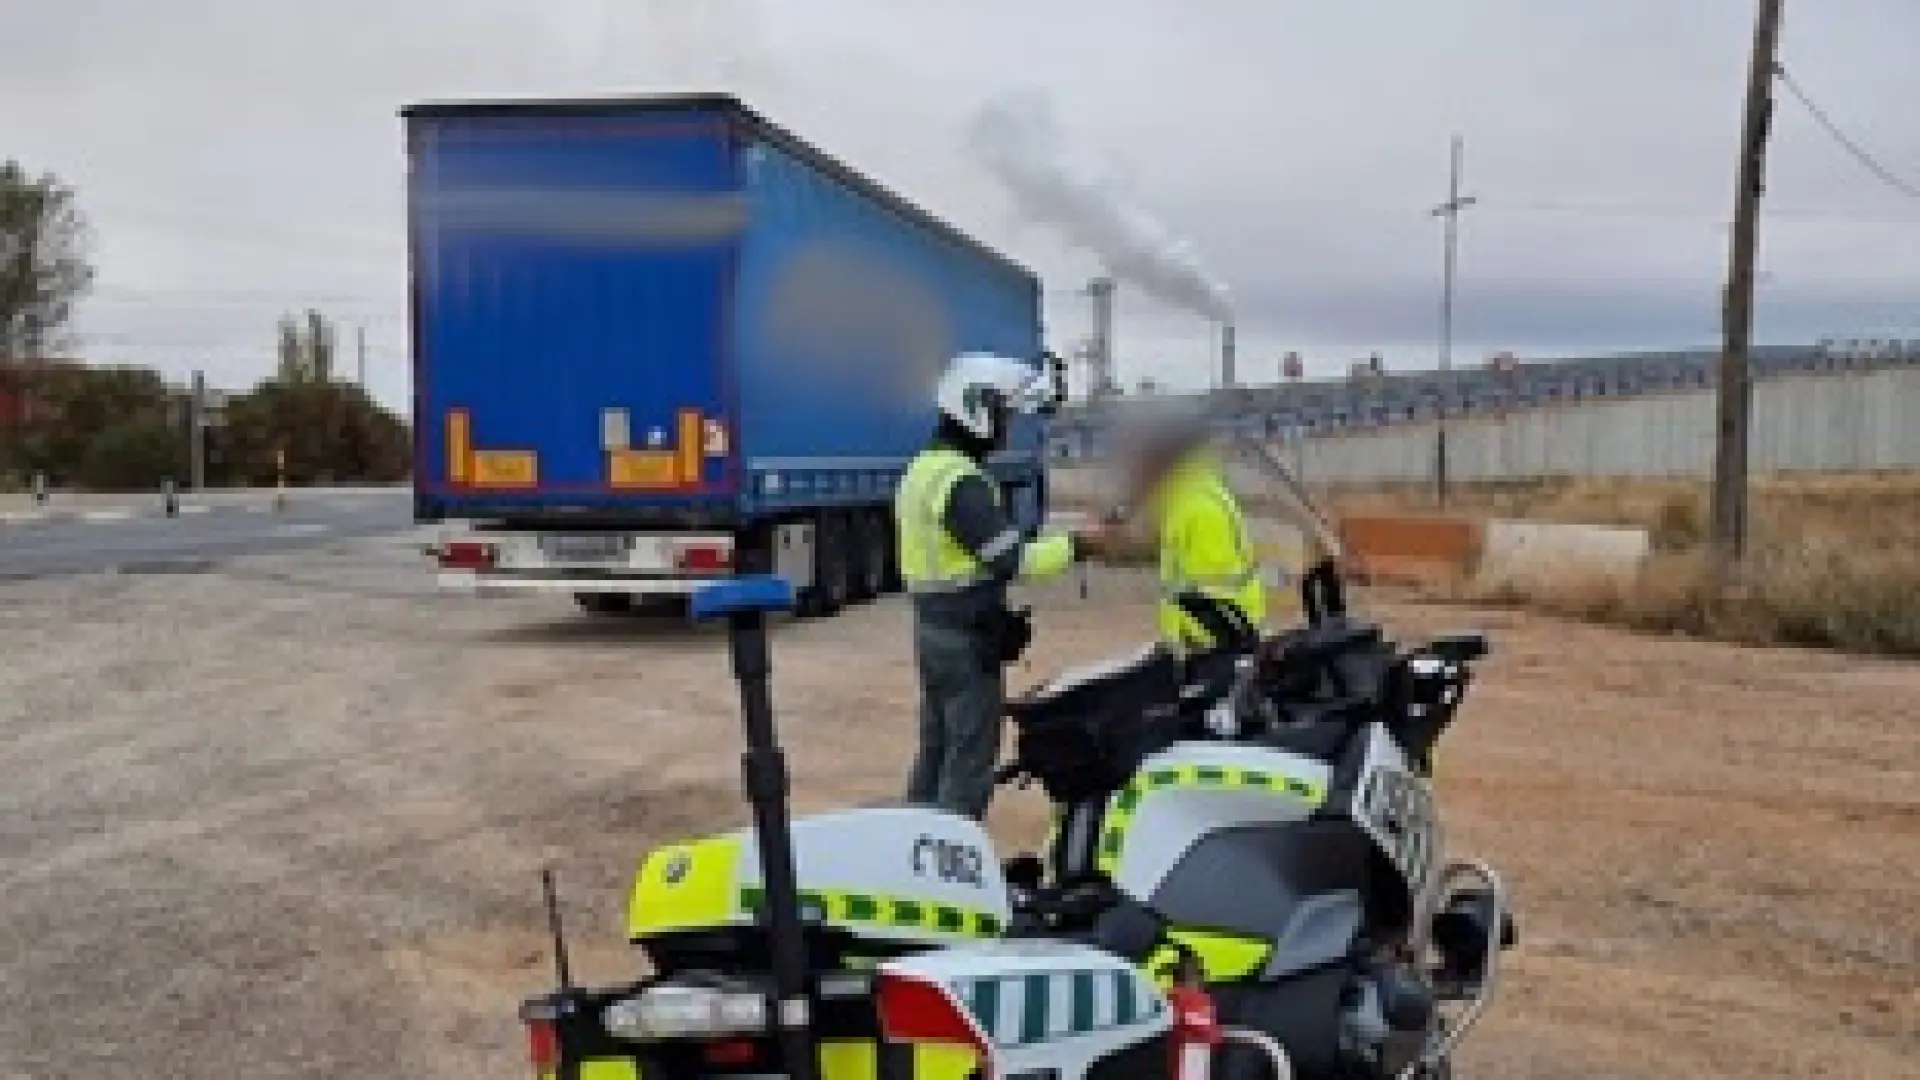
x=678, y=1012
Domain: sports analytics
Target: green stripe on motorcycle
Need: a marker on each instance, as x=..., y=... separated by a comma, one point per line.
x=872, y=909
x=1113, y=836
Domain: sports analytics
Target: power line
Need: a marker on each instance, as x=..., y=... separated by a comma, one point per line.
x=1811, y=216
x=1859, y=153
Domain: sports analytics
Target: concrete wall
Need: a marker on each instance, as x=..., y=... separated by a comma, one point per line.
x=1813, y=422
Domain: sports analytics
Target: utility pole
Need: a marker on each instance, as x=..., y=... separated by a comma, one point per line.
x=1450, y=211
x=360, y=347
x=1735, y=392
x=197, y=433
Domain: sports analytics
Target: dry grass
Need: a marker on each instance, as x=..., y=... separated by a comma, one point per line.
x=1835, y=562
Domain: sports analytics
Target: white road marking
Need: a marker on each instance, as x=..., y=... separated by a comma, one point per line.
x=195, y=509
x=307, y=529
x=106, y=515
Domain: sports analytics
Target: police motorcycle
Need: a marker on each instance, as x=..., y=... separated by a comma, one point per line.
x=864, y=944
x=1244, y=880
x=1260, y=822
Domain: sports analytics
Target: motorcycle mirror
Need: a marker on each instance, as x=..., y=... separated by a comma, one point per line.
x=1322, y=593
x=1057, y=374
x=1459, y=648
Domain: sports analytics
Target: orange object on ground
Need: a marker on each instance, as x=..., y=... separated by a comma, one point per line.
x=1412, y=550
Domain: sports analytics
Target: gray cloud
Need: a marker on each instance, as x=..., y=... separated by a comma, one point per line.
x=242, y=157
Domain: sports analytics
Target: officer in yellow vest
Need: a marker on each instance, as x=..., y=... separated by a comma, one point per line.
x=958, y=550
x=1211, y=588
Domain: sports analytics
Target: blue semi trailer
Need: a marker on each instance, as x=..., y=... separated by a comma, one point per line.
x=661, y=340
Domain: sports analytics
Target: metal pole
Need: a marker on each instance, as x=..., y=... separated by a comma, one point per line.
x=360, y=347
x=197, y=434
x=1450, y=211
x=764, y=769
x=1734, y=395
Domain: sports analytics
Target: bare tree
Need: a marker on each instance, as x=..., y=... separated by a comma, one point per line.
x=43, y=260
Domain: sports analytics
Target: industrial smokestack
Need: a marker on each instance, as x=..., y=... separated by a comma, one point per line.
x=1227, y=373
x=1101, y=291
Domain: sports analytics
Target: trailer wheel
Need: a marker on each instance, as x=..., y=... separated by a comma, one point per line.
x=890, y=581
x=869, y=552
x=831, y=568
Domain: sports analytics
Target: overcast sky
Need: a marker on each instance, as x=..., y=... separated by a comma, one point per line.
x=240, y=158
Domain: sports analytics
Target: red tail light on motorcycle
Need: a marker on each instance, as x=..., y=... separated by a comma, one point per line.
x=731, y=1052
x=913, y=1011
x=543, y=1048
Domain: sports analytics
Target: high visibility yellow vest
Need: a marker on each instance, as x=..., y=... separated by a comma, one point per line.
x=1205, y=548
x=930, y=559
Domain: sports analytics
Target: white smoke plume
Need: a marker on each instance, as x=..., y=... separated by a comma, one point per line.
x=1016, y=137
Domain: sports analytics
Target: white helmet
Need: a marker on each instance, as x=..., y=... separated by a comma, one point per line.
x=977, y=389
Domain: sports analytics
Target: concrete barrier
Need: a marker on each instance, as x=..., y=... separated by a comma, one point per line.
x=1518, y=554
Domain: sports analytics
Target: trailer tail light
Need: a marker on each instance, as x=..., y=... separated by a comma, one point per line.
x=707, y=558
x=467, y=555
x=543, y=1047
x=914, y=1011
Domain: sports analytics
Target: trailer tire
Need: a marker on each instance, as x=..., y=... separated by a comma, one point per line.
x=831, y=568
x=890, y=580
x=869, y=554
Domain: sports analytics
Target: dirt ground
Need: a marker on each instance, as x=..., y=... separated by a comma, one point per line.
x=286, y=819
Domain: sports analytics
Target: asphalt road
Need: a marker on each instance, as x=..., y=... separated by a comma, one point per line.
x=144, y=540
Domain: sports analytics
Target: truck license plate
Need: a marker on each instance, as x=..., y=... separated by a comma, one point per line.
x=585, y=547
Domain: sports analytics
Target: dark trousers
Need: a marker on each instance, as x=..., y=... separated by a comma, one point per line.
x=961, y=689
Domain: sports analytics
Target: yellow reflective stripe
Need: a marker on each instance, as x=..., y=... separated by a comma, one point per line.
x=1224, y=957
x=849, y=1059
x=944, y=1061
x=687, y=887
x=1119, y=817
x=610, y=1069
x=859, y=1059
x=892, y=912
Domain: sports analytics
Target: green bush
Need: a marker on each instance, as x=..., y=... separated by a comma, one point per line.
x=133, y=455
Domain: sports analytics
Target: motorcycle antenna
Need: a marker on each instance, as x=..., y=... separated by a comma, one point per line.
x=551, y=894
x=1325, y=534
